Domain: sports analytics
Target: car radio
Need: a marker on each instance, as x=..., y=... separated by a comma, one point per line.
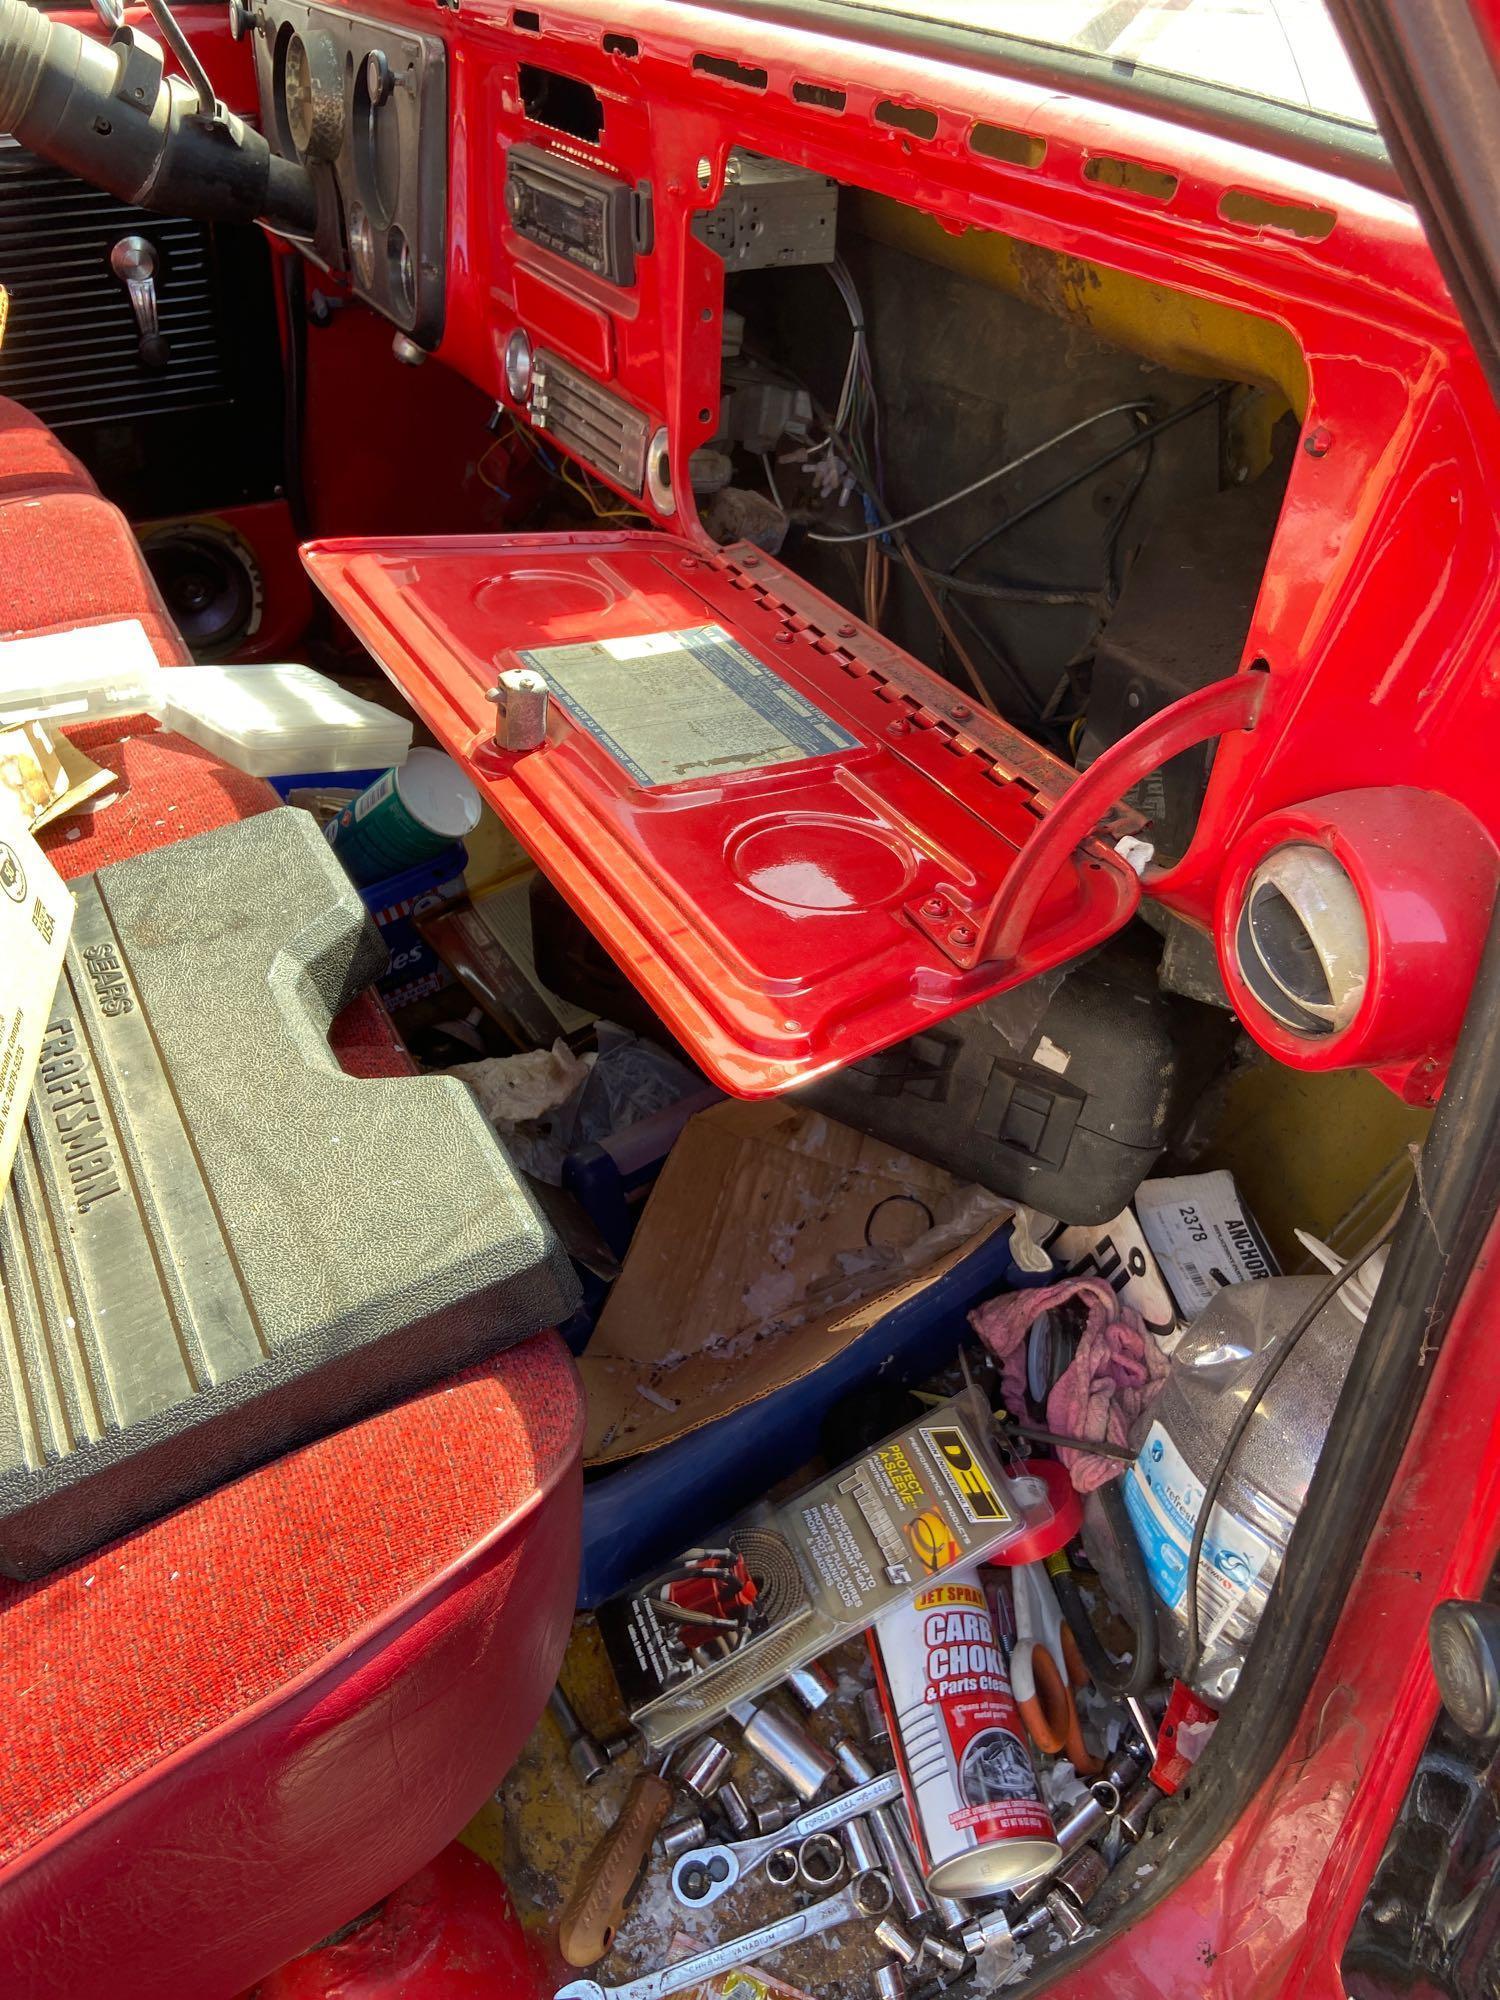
x=592, y=220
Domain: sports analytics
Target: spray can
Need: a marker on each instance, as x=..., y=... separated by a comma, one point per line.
x=976, y=1809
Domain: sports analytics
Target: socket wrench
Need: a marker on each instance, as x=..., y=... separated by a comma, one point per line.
x=704, y=1874
x=868, y=1896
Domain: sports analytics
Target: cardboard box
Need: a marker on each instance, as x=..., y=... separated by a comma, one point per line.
x=772, y=1239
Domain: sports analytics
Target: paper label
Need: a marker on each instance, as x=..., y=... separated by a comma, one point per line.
x=1163, y=1497
x=671, y=706
x=36, y=914
x=376, y=795
x=1202, y=1236
x=1118, y=1253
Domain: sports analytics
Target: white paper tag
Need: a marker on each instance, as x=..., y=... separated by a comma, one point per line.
x=1118, y=1253
x=36, y=914
x=1203, y=1237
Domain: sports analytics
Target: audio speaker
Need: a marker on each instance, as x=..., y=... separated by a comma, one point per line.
x=211, y=582
x=233, y=581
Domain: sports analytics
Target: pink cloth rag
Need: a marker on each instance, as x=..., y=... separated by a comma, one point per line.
x=1112, y=1380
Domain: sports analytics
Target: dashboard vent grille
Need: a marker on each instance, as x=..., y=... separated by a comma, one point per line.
x=601, y=428
x=71, y=346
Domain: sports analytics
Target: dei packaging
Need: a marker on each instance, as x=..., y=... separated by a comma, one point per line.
x=216, y=1243
x=783, y=1583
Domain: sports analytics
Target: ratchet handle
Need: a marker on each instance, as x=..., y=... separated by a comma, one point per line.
x=605, y=1889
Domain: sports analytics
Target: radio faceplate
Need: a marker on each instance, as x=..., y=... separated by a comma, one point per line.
x=589, y=218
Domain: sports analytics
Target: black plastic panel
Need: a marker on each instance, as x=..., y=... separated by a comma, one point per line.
x=215, y=1242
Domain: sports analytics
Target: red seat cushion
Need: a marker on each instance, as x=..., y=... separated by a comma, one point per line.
x=70, y=559
x=33, y=459
x=230, y=1732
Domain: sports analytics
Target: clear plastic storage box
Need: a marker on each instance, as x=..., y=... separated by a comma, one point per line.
x=274, y=720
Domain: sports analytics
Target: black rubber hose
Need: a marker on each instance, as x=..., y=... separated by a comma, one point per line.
x=1139, y=1675
x=107, y=112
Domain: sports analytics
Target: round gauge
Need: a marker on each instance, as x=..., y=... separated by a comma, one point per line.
x=518, y=367
x=313, y=88
x=362, y=244
x=403, y=272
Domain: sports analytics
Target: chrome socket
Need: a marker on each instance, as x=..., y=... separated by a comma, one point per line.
x=812, y=1686
x=863, y=1848
x=786, y=1748
x=707, y=1767
x=899, y=1943
x=951, y=1914
x=821, y=1861
x=1136, y=1812
x=947, y=1957
x=681, y=1835
x=781, y=1867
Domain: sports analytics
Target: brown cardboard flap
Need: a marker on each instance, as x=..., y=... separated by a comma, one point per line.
x=773, y=1238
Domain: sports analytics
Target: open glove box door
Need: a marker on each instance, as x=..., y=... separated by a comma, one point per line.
x=795, y=839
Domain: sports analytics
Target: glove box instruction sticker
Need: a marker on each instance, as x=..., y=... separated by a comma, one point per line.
x=671, y=706
x=1163, y=1496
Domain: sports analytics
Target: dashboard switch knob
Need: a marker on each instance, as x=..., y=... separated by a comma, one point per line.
x=379, y=80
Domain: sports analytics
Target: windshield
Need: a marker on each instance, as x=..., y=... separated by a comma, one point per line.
x=1284, y=51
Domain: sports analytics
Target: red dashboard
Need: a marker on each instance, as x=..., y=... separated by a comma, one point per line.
x=1376, y=622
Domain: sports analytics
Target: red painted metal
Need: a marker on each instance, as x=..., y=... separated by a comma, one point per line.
x=1212, y=711
x=450, y=1933
x=1382, y=593
x=765, y=913
x=1426, y=873
x=1376, y=621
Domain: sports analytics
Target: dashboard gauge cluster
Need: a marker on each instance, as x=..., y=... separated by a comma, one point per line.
x=365, y=105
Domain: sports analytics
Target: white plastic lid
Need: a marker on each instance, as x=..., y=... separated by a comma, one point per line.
x=282, y=718
x=1358, y=1290
x=108, y=669
x=435, y=791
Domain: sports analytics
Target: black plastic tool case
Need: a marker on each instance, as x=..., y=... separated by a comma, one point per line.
x=215, y=1242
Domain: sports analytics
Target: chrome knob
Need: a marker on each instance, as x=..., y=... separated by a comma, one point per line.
x=133, y=261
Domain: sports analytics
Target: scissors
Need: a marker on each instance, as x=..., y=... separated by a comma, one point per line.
x=1045, y=1667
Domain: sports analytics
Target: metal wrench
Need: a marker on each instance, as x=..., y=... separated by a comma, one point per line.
x=704, y=1874
x=868, y=1896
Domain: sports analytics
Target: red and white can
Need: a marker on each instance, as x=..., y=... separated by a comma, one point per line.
x=976, y=1808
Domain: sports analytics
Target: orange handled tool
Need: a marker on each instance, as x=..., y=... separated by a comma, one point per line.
x=612, y=1874
x=1045, y=1667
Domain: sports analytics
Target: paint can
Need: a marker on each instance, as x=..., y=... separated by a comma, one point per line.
x=975, y=1804
x=411, y=813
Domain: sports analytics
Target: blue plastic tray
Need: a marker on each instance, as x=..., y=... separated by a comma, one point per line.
x=665, y=1500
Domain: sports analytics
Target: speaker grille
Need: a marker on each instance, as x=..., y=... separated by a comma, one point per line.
x=602, y=428
x=70, y=352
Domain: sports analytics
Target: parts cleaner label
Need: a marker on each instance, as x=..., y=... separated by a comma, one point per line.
x=973, y=1786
